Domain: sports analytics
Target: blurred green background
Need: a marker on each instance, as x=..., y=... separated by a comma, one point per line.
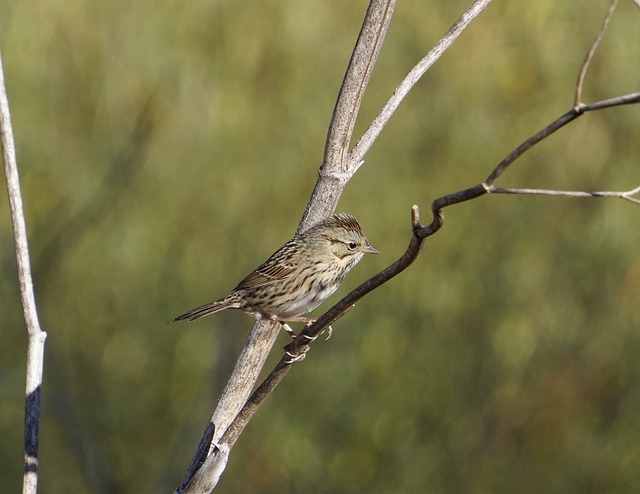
x=166, y=148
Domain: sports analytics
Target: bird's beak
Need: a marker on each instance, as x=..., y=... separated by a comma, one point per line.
x=370, y=249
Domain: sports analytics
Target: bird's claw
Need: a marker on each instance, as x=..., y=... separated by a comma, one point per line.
x=329, y=331
x=295, y=358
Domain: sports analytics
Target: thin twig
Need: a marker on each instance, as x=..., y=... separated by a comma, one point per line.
x=627, y=99
x=626, y=195
x=594, y=46
x=334, y=176
x=557, y=124
x=36, y=337
x=299, y=346
x=296, y=350
x=381, y=120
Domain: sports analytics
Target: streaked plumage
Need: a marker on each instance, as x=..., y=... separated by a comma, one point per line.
x=299, y=276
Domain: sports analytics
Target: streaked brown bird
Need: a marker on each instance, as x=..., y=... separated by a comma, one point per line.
x=299, y=276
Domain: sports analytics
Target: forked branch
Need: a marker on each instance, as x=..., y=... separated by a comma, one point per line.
x=337, y=169
x=296, y=350
x=206, y=465
x=592, y=51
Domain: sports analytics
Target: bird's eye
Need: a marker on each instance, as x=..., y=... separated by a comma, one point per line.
x=352, y=245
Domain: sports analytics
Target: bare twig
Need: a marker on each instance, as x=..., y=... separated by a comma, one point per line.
x=594, y=46
x=337, y=169
x=372, y=133
x=36, y=337
x=298, y=348
x=203, y=473
x=626, y=195
x=556, y=125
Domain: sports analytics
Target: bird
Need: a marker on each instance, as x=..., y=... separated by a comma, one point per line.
x=299, y=276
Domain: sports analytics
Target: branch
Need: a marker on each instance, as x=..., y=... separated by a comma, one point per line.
x=557, y=124
x=206, y=466
x=203, y=472
x=36, y=337
x=336, y=169
x=626, y=195
x=372, y=133
x=594, y=46
x=296, y=350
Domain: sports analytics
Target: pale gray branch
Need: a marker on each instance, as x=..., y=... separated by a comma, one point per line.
x=337, y=169
x=372, y=133
x=199, y=478
x=626, y=195
x=324, y=199
x=338, y=166
x=36, y=337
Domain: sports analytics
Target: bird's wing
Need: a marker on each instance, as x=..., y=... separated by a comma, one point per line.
x=282, y=264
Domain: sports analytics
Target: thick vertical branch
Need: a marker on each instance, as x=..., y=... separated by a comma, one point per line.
x=208, y=463
x=35, y=348
x=336, y=170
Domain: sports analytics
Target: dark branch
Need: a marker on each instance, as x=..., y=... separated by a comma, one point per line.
x=336, y=177
x=296, y=350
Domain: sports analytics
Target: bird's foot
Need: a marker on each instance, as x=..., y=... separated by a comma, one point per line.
x=329, y=331
x=292, y=358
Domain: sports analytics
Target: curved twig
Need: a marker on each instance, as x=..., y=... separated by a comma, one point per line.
x=297, y=349
x=299, y=346
x=557, y=124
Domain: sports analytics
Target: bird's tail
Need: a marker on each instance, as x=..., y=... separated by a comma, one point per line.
x=229, y=302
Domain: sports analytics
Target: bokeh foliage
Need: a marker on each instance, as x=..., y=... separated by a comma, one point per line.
x=166, y=148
